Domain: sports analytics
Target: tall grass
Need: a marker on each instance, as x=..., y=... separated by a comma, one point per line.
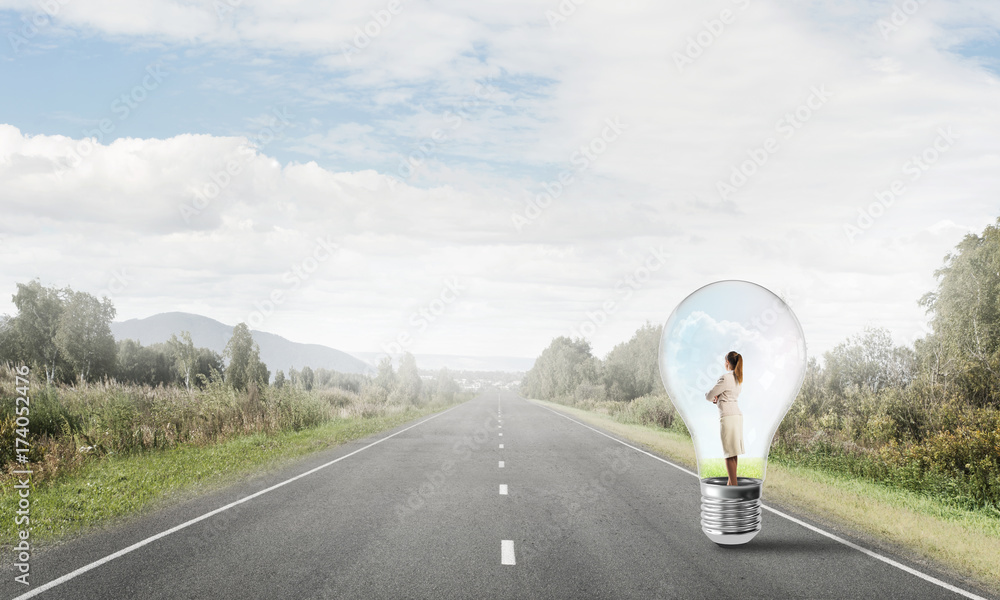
x=70, y=425
x=654, y=410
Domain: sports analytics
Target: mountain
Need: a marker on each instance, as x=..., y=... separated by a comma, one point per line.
x=275, y=351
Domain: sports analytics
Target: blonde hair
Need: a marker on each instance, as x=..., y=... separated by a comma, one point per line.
x=735, y=360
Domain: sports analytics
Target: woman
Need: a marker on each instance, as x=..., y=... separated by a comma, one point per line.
x=725, y=392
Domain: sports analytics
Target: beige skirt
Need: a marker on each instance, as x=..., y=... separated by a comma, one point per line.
x=732, y=435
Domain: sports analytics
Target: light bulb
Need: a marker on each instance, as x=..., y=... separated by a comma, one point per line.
x=705, y=326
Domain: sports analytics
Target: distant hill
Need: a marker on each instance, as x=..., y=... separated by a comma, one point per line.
x=275, y=351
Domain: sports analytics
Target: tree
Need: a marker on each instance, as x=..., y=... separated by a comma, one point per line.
x=631, y=369
x=9, y=350
x=408, y=381
x=131, y=364
x=162, y=369
x=965, y=311
x=868, y=361
x=812, y=401
x=145, y=365
x=208, y=365
x=279, y=379
x=561, y=368
x=245, y=368
x=84, y=337
x=323, y=378
x=346, y=381
x=308, y=378
x=378, y=389
x=261, y=374
x=35, y=326
x=385, y=377
x=445, y=386
x=185, y=356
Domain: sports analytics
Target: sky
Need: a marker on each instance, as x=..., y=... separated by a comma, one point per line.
x=479, y=178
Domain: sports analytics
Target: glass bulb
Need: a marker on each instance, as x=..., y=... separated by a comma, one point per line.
x=705, y=326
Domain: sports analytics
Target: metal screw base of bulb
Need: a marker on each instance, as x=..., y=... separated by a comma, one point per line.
x=730, y=514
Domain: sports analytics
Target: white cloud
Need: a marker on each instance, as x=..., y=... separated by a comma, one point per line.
x=655, y=184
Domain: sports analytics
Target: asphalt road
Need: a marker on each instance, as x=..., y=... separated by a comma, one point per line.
x=422, y=514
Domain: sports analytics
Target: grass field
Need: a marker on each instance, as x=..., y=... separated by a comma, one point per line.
x=745, y=467
x=965, y=543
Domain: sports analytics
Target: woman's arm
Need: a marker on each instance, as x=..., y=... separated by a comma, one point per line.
x=720, y=386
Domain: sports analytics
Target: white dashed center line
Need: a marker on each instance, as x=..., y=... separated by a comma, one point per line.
x=506, y=546
x=507, y=552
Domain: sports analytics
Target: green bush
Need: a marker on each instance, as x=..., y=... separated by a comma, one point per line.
x=653, y=409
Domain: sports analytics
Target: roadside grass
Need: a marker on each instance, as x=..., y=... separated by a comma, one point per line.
x=102, y=491
x=965, y=542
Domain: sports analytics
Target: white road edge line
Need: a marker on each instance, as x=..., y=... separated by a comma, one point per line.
x=885, y=559
x=162, y=534
x=501, y=446
x=507, y=552
x=501, y=464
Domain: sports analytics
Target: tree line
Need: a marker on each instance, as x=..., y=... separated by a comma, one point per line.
x=958, y=360
x=568, y=369
x=67, y=335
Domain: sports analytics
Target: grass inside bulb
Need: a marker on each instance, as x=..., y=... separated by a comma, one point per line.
x=751, y=320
